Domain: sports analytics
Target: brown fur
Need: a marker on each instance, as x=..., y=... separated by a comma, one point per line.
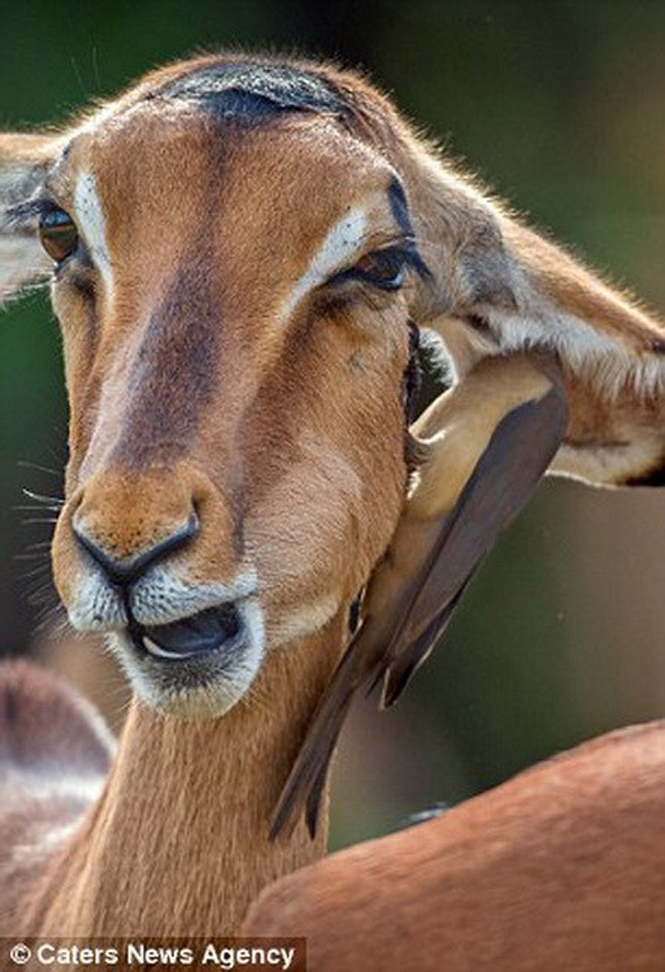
x=184, y=855
x=189, y=388
x=54, y=753
x=560, y=868
x=211, y=416
x=192, y=389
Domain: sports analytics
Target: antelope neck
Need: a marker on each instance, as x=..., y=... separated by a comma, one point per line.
x=178, y=843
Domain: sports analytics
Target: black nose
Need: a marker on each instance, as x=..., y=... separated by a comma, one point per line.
x=125, y=572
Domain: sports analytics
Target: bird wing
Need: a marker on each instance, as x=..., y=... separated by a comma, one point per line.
x=405, y=617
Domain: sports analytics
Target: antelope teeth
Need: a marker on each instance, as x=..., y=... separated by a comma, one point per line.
x=153, y=649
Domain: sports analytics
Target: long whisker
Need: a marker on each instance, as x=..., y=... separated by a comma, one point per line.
x=40, y=571
x=25, y=508
x=26, y=464
x=56, y=502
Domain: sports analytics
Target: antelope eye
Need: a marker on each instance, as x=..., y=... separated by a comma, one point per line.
x=58, y=234
x=382, y=268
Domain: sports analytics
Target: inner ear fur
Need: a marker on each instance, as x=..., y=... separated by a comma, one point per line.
x=488, y=266
x=496, y=286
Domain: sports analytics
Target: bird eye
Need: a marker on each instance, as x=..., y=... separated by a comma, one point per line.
x=382, y=268
x=58, y=234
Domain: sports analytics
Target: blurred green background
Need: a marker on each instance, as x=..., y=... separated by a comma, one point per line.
x=558, y=106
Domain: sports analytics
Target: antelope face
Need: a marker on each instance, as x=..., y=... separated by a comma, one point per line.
x=233, y=295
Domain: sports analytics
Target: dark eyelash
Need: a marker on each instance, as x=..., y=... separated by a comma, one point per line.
x=397, y=252
x=413, y=259
x=23, y=214
x=405, y=252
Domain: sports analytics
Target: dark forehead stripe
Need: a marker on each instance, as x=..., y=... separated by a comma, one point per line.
x=173, y=376
x=253, y=91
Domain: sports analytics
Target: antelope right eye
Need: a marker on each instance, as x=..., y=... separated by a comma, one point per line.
x=58, y=234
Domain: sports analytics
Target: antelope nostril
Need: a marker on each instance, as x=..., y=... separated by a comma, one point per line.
x=127, y=570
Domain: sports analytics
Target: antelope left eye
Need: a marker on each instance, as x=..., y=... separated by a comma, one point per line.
x=58, y=234
x=382, y=268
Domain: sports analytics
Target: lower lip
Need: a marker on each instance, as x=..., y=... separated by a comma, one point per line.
x=195, y=638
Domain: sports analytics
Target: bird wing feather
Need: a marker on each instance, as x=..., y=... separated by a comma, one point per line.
x=392, y=643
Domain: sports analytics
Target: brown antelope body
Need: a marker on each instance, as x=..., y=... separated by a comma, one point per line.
x=240, y=249
x=559, y=868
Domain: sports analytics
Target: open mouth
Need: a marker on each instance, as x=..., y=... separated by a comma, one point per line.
x=192, y=638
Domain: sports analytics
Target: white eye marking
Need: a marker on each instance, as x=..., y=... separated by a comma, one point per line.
x=89, y=217
x=336, y=250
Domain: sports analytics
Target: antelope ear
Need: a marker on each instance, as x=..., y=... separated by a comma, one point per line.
x=490, y=267
x=24, y=162
x=501, y=288
x=561, y=305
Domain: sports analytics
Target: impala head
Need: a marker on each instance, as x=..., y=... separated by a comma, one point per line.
x=232, y=279
x=238, y=248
